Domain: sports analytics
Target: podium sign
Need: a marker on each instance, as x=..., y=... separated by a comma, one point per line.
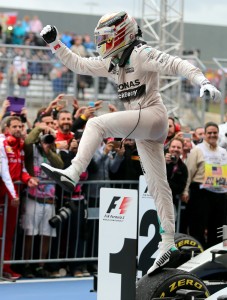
x=148, y=234
x=117, y=244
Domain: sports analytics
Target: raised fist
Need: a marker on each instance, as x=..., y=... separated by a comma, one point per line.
x=49, y=33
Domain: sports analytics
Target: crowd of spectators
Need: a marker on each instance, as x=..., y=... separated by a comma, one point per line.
x=20, y=65
x=26, y=32
x=54, y=136
x=26, y=64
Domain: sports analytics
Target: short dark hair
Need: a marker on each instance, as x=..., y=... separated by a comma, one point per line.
x=171, y=118
x=44, y=114
x=208, y=124
x=12, y=118
x=63, y=112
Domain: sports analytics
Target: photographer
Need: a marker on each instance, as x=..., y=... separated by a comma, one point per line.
x=39, y=202
x=130, y=166
x=70, y=236
x=177, y=172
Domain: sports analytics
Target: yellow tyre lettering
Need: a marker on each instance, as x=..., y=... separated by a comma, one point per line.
x=207, y=294
x=181, y=282
x=198, y=285
x=189, y=282
x=193, y=243
x=173, y=287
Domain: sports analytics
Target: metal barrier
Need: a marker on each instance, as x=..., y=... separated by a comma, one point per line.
x=77, y=234
x=76, y=226
x=3, y=206
x=48, y=78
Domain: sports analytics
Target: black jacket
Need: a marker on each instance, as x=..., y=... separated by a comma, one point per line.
x=177, y=175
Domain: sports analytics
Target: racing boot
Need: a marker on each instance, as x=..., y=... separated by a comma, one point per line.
x=167, y=257
x=67, y=178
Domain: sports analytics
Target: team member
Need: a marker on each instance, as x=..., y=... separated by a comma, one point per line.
x=135, y=68
x=12, y=169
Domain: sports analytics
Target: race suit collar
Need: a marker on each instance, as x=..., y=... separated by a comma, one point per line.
x=125, y=55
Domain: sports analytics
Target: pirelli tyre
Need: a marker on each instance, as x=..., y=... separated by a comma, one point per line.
x=166, y=283
x=187, y=245
x=182, y=240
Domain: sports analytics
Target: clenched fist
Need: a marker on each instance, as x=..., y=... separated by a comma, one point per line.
x=49, y=33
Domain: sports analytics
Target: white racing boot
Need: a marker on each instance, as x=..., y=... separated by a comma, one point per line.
x=67, y=178
x=167, y=257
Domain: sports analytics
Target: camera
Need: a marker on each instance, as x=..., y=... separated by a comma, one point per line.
x=173, y=158
x=63, y=214
x=47, y=138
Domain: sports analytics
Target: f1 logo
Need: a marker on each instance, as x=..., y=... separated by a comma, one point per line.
x=123, y=206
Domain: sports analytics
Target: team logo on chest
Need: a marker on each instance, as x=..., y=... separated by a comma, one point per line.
x=9, y=150
x=129, y=84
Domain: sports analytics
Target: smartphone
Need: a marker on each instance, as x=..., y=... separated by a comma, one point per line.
x=68, y=98
x=63, y=102
x=187, y=135
x=91, y=104
x=16, y=104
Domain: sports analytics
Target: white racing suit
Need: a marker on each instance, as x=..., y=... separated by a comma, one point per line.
x=138, y=87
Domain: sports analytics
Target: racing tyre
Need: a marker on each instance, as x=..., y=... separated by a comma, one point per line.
x=187, y=244
x=182, y=240
x=166, y=283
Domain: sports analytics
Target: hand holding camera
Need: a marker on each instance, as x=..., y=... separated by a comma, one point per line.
x=47, y=135
x=171, y=158
x=120, y=150
x=108, y=147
